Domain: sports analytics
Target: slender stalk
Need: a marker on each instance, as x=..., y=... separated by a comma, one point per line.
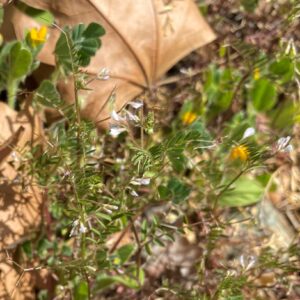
x=80, y=155
x=12, y=88
x=227, y=187
x=142, y=126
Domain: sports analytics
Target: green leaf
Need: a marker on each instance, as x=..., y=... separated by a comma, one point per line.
x=48, y=95
x=42, y=247
x=41, y=16
x=93, y=30
x=283, y=116
x=104, y=281
x=66, y=250
x=63, y=50
x=218, y=89
x=263, y=95
x=20, y=61
x=43, y=295
x=179, y=190
x=87, y=42
x=237, y=297
x=243, y=192
x=164, y=192
x=101, y=258
x=1, y=15
x=125, y=252
x=148, y=249
x=283, y=68
x=249, y=5
x=177, y=159
x=81, y=291
x=27, y=248
x=78, y=45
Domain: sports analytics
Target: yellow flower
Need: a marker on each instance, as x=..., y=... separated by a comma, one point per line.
x=188, y=118
x=38, y=36
x=240, y=152
x=256, y=74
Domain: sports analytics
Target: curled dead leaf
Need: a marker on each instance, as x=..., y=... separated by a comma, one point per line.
x=143, y=40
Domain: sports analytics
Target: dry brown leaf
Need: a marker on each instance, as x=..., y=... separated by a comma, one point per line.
x=13, y=286
x=20, y=207
x=143, y=40
x=120, y=239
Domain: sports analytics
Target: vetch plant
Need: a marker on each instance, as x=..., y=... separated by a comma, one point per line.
x=153, y=207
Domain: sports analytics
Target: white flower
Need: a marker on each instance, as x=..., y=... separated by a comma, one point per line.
x=109, y=211
x=115, y=131
x=133, y=193
x=186, y=71
x=74, y=230
x=132, y=117
x=248, y=263
x=140, y=181
x=114, y=207
x=248, y=132
x=82, y=228
x=103, y=74
x=77, y=227
x=136, y=104
x=288, y=149
x=120, y=160
x=283, y=144
x=116, y=117
x=14, y=156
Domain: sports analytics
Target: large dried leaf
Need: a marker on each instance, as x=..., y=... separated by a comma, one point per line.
x=143, y=40
x=20, y=206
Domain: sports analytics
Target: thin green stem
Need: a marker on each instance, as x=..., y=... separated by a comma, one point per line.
x=142, y=126
x=12, y=88
x=227, y=187
x=80, y=155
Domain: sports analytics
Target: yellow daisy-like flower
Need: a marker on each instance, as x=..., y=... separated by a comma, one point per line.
x=240, y=152
x=38, y=36
x=188, y=118
x=256, y=74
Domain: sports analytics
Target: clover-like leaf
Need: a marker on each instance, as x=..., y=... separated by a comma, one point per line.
x=263, y=94
x=244, y=192
x=48, y=95
x=78, y=45
x=20, y=60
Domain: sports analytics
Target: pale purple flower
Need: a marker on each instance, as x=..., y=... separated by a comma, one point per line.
x=136, y=104
x=132, y=117
x=140, y=181
x=283, y=144
x=248, y=263
x=82, y=228
x=109, y=211
x=186, y=71
x=116, y=117
x=77, y=227
x=74, y=230
x=14, y=156
x=113, y=207
x=133, y=193
x=288, y=148
x=115, y=131
x=104, y=74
